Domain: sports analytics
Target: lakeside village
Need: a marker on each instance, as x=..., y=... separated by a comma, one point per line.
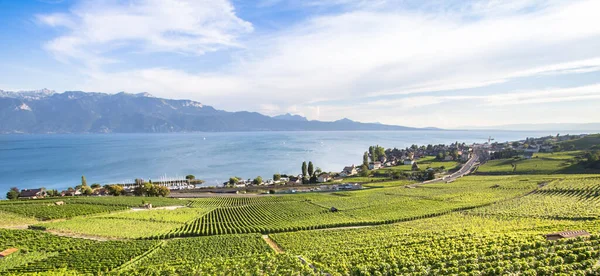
x=417, y=163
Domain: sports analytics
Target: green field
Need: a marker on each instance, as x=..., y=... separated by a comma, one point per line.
x=476, y=225
x=541, y=163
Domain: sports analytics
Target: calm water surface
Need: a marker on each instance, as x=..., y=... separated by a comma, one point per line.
x=59, y=161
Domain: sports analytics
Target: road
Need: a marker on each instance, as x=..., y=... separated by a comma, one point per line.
x=464, y=170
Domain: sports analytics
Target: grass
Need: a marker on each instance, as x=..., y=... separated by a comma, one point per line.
x=541, y=163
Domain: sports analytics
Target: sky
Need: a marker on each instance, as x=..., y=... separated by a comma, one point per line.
x=415, y=63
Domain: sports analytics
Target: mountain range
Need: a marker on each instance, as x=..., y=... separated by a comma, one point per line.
x=45, y=111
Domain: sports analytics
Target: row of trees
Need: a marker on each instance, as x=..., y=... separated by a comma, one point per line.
x=309, y=174
x=376, y=153
x=593, y=159
x=149, y=189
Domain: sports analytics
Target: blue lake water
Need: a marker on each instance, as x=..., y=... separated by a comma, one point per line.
x=59, y=161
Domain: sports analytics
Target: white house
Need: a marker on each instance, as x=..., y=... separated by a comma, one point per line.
x=408, y=161
x=374, y=165
x=349, y=171
x=324, y=177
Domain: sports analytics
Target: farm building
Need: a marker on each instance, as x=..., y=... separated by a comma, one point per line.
x=567, y=234
x=7, y=252
x=32, y=193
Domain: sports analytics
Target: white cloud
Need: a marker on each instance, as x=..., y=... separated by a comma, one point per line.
x=95, y=28
x=360, y=52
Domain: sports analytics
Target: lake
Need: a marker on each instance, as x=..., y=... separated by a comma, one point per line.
x=59, y=161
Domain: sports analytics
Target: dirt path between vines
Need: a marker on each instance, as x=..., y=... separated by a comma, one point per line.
x=272, y=244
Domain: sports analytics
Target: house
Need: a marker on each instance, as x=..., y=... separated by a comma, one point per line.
x=408, y=161
x=374, y=165
x=100, y=192
x=349, y=171
x=293, y=180
x=448, y=158
x=33, y=193
x=566, y=235
x=7, y=252
x=324, y=177
x=240, y=185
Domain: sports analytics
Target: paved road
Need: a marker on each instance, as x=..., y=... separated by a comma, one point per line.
x=464, y=170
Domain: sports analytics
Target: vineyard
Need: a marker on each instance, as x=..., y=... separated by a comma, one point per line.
x=376, y=252
x=477, y=225
x=73, y=207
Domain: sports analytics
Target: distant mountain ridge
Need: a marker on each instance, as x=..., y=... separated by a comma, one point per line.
x=290, y=117
x=45, y=111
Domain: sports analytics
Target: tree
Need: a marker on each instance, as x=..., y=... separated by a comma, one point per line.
x=52, y=193
x=364, y=170
x=83, y=181
x=190, y=177
x=441, y=155
x=318, y=171
x=87, y=190
x=13, y=193
x=257, y=181
x=373, y=153
x=415, y=167
x=95, y=186
x=163, y=191
x=366, y=158
x=380, y=153
x=304, y=169
x=233, y=180
x=311, y=169
x=115, y=190
x=276, y=177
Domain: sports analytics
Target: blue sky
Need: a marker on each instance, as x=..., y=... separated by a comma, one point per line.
x=415, y=63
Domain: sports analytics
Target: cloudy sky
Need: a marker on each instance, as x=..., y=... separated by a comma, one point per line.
x=415, y=63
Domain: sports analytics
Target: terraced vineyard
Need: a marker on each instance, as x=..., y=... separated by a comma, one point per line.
x=356, y=208
x=477, y=225
x=72, y=207
x=373, y=252
x=572, y=198
x=51, y=211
